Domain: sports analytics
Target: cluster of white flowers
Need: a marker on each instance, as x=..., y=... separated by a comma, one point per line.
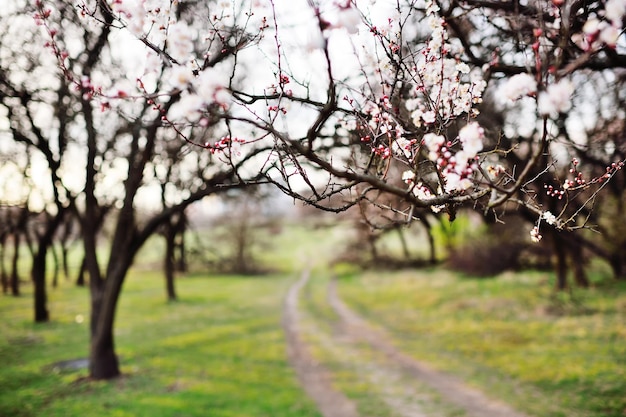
x=535, y=236
x=198, y=91
x=457, y=167
x=420, y=190
x=140, y=16
x=603, y=30
x=445, y=87
x=180, y=41
x=518, y=86
x=549, y=217
x=348, y=18
x=556, y=99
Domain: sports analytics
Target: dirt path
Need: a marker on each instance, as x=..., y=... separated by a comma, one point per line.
x=452, y=390
x=405, y=386
x=313, y=377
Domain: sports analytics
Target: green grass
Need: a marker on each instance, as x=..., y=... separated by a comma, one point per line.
x=219, y=351
x=376, y=385
x=546, y=354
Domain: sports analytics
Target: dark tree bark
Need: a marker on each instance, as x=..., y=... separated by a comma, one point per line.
x=580, y=276
x=39, y=281
x=66, y=268
x=15, y=277
x=431, y=241
x=169, y=262
x=4, y=276
x=80, y=279
x=65, y=240
x=44, y=242
x=56, y=266
x=561, y=263
x=617, y=265
x=181, y=228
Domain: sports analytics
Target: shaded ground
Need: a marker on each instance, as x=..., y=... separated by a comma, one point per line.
x=406, y=386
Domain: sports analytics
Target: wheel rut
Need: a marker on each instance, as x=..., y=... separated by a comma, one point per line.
x=312, y=375
x=403, y=385
x=452, y=390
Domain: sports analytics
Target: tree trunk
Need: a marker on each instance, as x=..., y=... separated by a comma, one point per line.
x=405, y=247
x=15, y=277
x=561, y=264
x=181, y=226
x=431, y=241
x=576, y=256
x=170, y=243
x=39, y=281
x=55, y=277
x=617, y=265
x=4, y=276
x=103, y=362
x=66, y=268
x=80, y=279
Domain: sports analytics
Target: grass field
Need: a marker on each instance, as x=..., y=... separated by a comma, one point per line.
x=549, y=355
x=219, y=351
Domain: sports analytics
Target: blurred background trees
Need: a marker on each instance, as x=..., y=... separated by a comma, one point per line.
x=118, y=141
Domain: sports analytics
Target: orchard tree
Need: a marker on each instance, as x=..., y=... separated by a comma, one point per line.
x=103, y=147
x=409, y=94
x=355, y=89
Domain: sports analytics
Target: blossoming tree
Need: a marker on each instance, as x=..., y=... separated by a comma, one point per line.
x=325, y=98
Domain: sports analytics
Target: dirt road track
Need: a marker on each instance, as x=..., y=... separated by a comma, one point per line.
x=475, y=403
x=313, y=377
x=396, y=369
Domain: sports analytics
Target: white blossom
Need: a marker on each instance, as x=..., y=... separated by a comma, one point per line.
x=534, y=234
x=187, y=108
x=206, y=85
x=614, y=10
x=471, y=137
x=348, y=18
x=609, y=35
x=408, y=176
x=454, y=182
x=433, y=141
x=402, y=146
x=556, y=99
x=592, y=26
x=548, y=217
x=180, y=77
x=429, y=117
x=518, y=86
x=180, y=41
x=463, y=68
